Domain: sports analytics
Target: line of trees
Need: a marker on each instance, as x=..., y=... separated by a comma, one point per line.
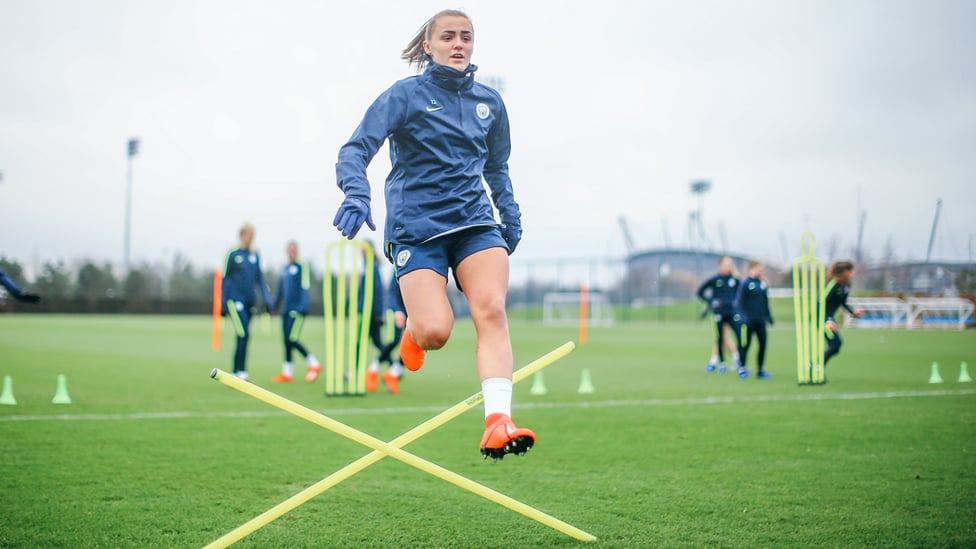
x=93, y=287
x=88, y=286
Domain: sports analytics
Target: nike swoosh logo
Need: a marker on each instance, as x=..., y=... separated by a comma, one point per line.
x=433, y=109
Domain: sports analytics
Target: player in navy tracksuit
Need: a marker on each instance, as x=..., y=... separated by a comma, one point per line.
x=376, y=306
x=752, y=302
x=291, y=301
x=719, y=292
x=375, y=311
x=19, y=295
x=447, y=133
x=394, y=303
x=841, y=274
x=391, y=377
x=242, y=272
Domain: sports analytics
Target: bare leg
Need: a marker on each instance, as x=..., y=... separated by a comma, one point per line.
x=484, y=277
x=429, y=315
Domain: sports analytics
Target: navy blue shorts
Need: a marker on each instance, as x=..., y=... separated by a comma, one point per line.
x=444, y=252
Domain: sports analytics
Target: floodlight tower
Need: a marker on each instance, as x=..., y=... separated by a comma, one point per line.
x=133, y=150
x=699, y=188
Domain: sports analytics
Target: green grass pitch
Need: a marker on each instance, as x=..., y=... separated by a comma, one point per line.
x=154, y=453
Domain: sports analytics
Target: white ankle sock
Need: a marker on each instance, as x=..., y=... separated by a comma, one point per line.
x=498, y=396
x=288, y=369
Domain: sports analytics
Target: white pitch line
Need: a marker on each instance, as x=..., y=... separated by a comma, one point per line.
x=646, y=403
x=747, y=399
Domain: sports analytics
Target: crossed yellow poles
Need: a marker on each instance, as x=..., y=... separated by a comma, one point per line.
x=393, y=449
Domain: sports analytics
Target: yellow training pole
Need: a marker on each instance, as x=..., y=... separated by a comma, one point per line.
x=346, y=327
x=391, y=450
x=809, y=300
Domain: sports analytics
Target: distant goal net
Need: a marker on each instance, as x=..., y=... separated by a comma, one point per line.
x=940, y=312
x=563, y=309
x=878, y=312
x=915, y=312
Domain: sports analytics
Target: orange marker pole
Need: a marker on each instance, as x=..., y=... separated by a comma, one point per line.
x=584, y=292
x=216, y=311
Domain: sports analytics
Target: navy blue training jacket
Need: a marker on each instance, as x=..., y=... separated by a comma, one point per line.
x=293, y=288
x=242, y=272
x=721, y=295
x=836, y=298
x=446, y=132
x=752, y=300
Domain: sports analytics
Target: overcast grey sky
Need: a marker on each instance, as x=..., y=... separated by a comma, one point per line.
x=800, y=113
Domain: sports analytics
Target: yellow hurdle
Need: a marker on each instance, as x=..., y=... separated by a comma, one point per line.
x=347, y=328
x=382, y=449
x=809, y=299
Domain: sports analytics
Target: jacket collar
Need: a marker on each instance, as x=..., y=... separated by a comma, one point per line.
x=450, y=78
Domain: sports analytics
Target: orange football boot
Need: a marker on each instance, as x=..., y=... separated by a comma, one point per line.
x=372, y=379
x=391, y=381
x=503, y=437
x=312, y=373
x=411, y=354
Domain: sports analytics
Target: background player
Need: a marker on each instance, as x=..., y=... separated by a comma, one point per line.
x=19, y=295
x=752, y=302
x=242, y=273
x=392, y=375
x=719, y=293
x=841, y=274
x=291, y=301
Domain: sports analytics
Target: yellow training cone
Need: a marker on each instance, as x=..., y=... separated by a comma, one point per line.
x=963, y=374
x=586, y=383
x=61, y=395
x=7, y=397
x=538, y=385
x=935, y=377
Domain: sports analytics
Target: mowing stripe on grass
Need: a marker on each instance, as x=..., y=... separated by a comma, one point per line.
x=524, y=406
